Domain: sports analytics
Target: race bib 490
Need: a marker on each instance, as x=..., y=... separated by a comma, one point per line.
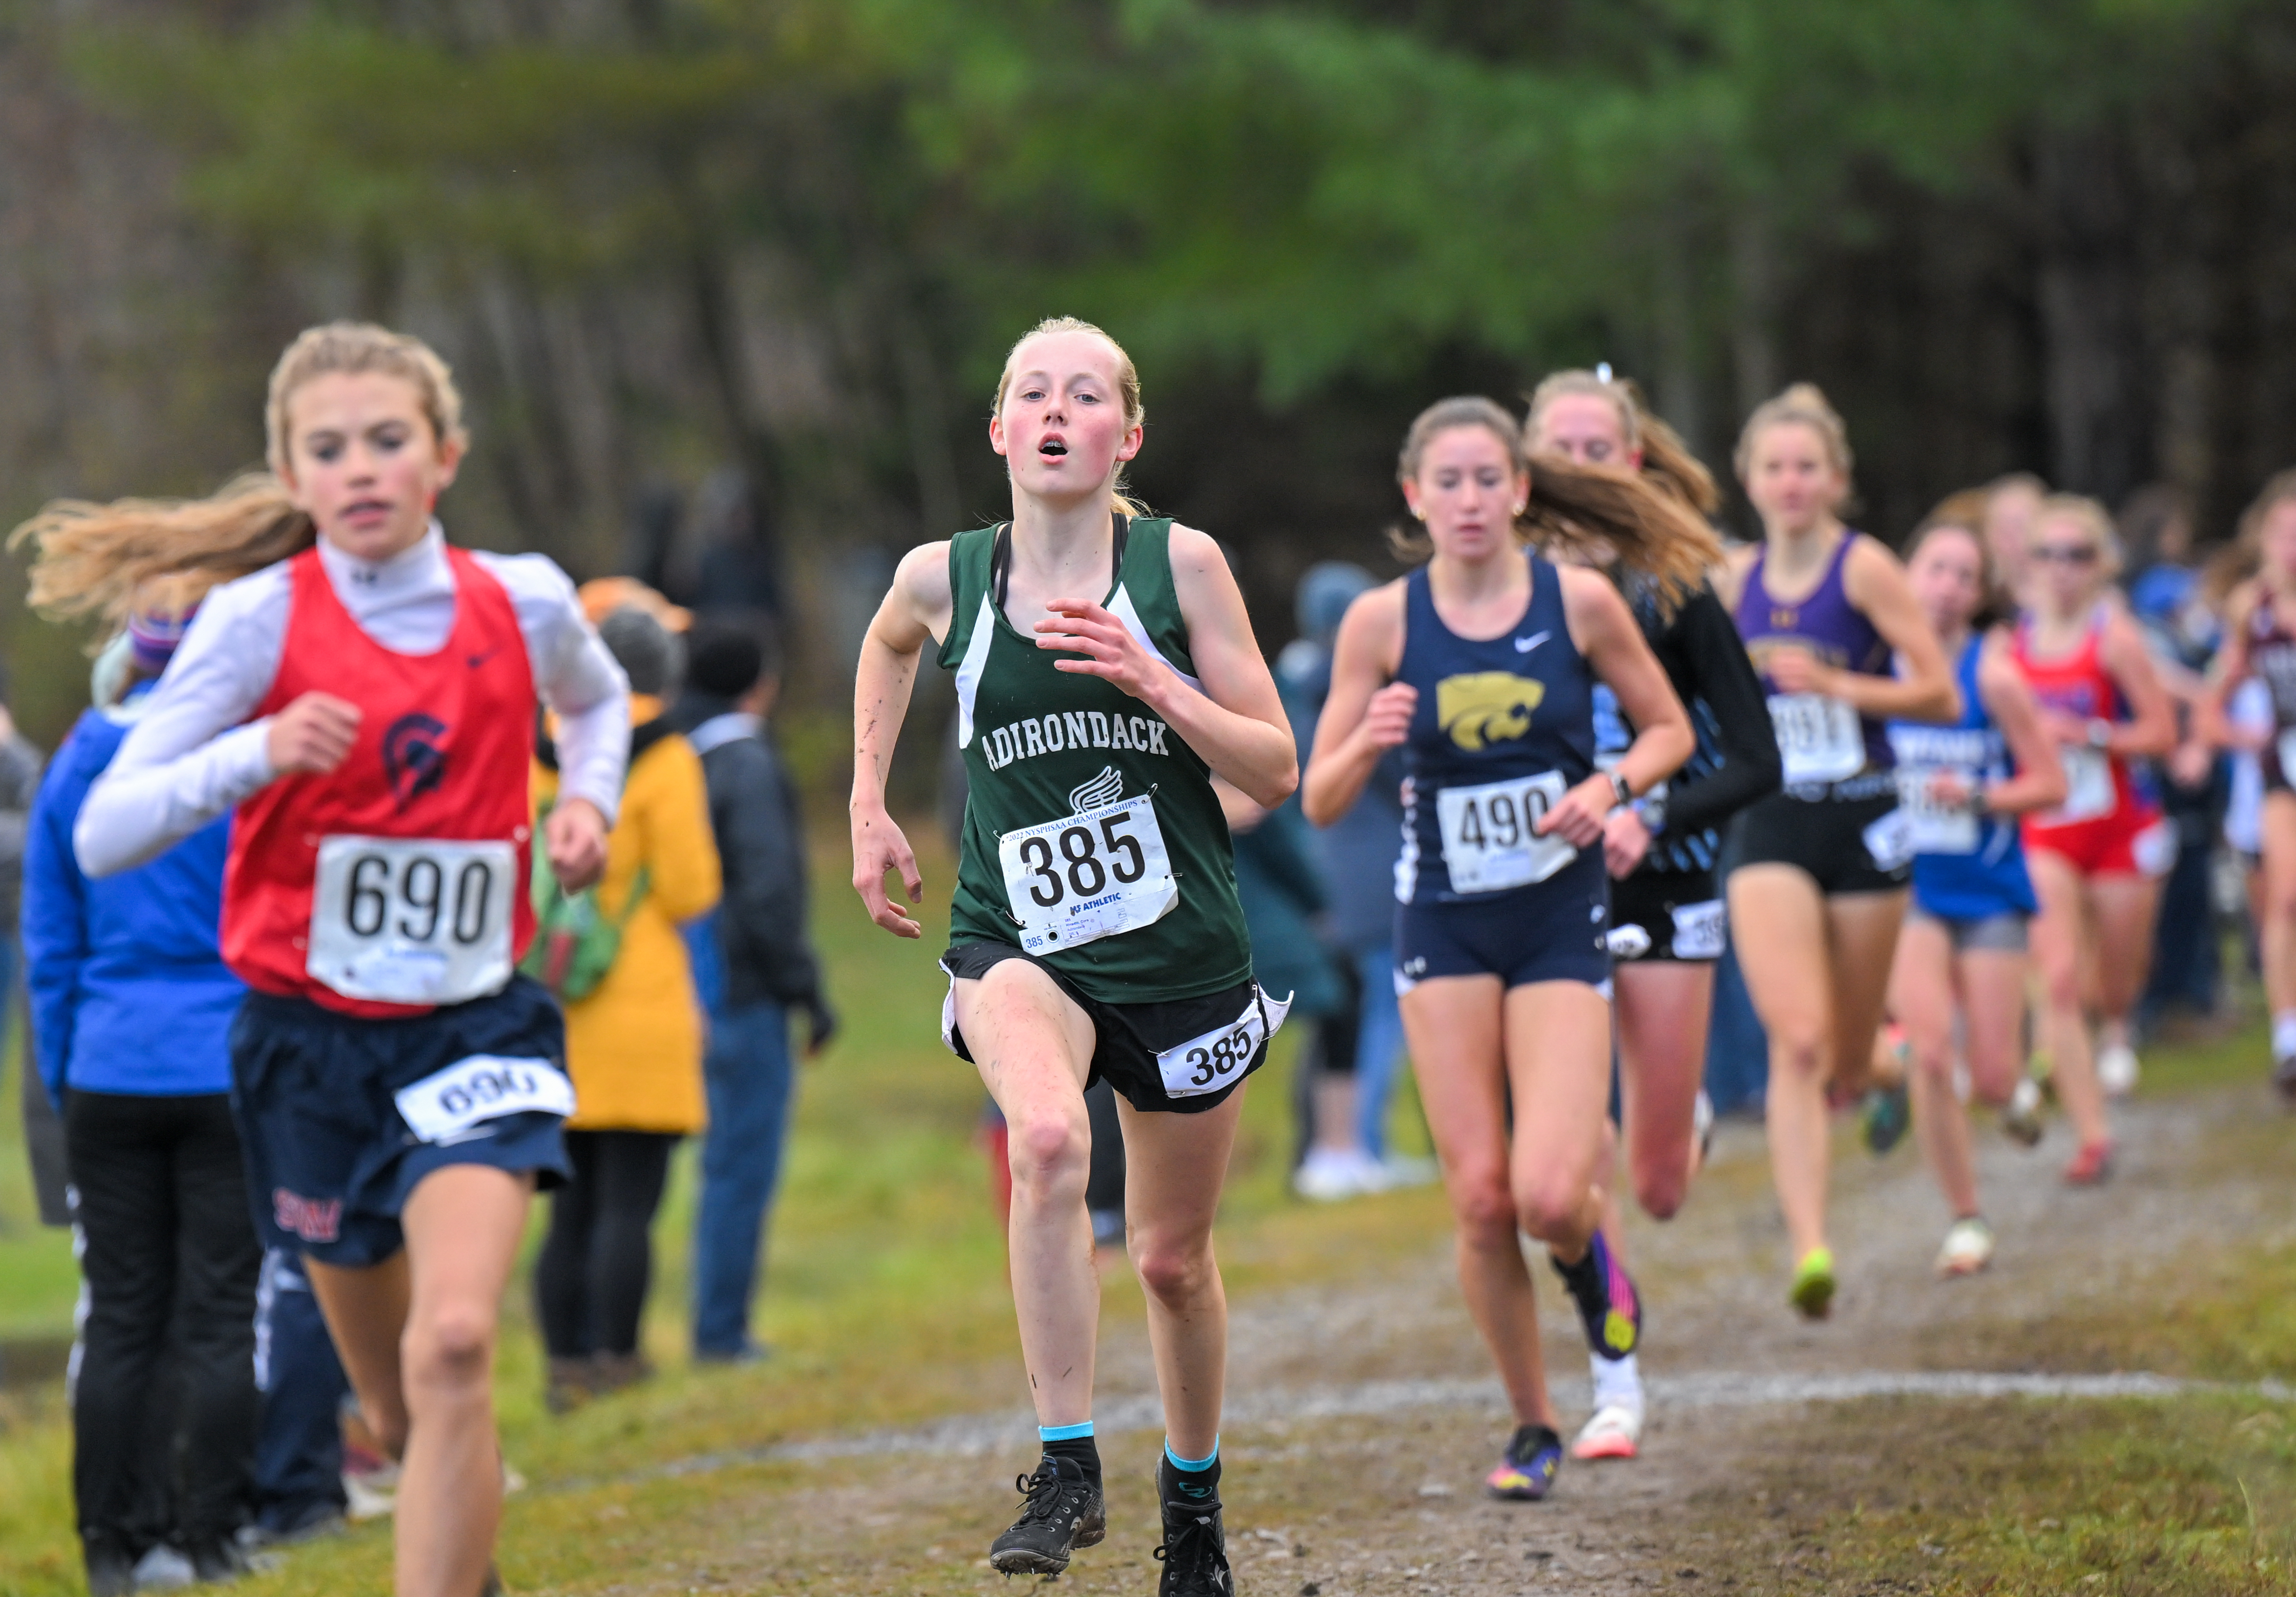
x=404, y=920
x=1095, y=874
x=1489, y=841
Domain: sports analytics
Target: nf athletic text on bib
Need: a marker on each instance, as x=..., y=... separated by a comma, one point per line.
x=398, y=881
x=1093, y=840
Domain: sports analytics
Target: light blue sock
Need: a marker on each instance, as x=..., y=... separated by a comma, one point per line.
x=1193, y=1466
x=1064, y=1433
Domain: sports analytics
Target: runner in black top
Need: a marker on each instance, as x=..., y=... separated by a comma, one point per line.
x=1666, y=920
x=2261, y=642
x=1481, y=667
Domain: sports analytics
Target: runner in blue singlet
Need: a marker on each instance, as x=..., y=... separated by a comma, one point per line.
x=1961, y=961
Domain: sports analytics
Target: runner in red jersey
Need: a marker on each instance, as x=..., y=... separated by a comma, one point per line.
x=2098, y=860
x=364, y=696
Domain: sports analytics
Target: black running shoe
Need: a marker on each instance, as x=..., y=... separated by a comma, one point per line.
x=1608, y=1304
x=1063, y=1512
x=1194, y=1553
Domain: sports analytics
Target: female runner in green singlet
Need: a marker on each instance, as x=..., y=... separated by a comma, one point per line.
x=1095, y=930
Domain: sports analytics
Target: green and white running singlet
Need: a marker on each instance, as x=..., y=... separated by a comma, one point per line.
x=1093, y=840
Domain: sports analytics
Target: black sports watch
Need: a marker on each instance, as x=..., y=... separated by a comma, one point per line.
x=1623, y=792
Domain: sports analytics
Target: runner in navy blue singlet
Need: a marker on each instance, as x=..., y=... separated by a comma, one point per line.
x=1818, y=872
x=1481, y=667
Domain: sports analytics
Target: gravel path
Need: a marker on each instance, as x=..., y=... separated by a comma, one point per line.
x=1361, y=1415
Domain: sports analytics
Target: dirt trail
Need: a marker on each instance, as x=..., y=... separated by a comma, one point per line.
x=1362, y=1415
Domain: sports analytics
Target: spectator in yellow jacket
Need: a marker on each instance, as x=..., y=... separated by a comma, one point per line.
x=632, y=1043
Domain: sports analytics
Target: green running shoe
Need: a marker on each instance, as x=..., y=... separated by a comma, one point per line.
x=1813, y=1284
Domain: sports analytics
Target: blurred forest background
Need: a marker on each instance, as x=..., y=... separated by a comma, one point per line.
x=727, y=282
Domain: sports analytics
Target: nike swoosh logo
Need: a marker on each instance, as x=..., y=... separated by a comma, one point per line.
x=1523, y=646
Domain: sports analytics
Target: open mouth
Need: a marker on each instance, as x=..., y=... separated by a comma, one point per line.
x=1052, y=447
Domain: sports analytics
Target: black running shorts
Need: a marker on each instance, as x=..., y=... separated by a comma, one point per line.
x=1834, y=840
x=1180, y=1057
x=1674, y=915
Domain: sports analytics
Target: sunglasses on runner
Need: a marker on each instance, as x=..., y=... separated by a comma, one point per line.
x=2065, y=554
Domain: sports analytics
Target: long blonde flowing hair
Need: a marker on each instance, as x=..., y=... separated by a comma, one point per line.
x=106, y=559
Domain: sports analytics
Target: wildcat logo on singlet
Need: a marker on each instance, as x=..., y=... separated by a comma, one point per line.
x=1485, y=706
x=1034, y=735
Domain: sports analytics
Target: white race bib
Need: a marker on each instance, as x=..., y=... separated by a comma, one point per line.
x=1889, y=840
x=1700, y=930
x=1819, y=739
x=482, y=1087
x=1208, y=1063
x=405, y=920
x=2089, y=792
x=1488, y=841
x=1089, y=876
x=1938, y=829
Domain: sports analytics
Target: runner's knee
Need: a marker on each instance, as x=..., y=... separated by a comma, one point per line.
x=1551, y=1207
x=1933, y=1057
x=1173, y=1270
x=1050, y=1150
x=450, y=1349
x=1485, y=1210
x=1801, y=1048
x=1661, y=1188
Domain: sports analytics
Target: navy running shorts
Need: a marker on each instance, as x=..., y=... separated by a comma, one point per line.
x=330, y=1156
x=1550, y=931
x=1181, y=1057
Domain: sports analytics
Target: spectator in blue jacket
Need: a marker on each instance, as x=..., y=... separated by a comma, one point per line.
x=131, y=1003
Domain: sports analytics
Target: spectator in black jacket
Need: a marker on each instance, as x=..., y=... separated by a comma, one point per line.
x=754, y=966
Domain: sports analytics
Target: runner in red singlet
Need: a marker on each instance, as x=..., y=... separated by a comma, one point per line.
x=2098, y=860
x=364, y=696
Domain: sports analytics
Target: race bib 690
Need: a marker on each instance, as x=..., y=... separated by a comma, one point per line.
x=407, y=920
x=483, y=1086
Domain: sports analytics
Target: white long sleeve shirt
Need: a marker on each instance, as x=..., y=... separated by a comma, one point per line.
x=194, y=755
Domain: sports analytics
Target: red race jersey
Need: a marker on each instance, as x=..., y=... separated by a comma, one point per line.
x=398, y=881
